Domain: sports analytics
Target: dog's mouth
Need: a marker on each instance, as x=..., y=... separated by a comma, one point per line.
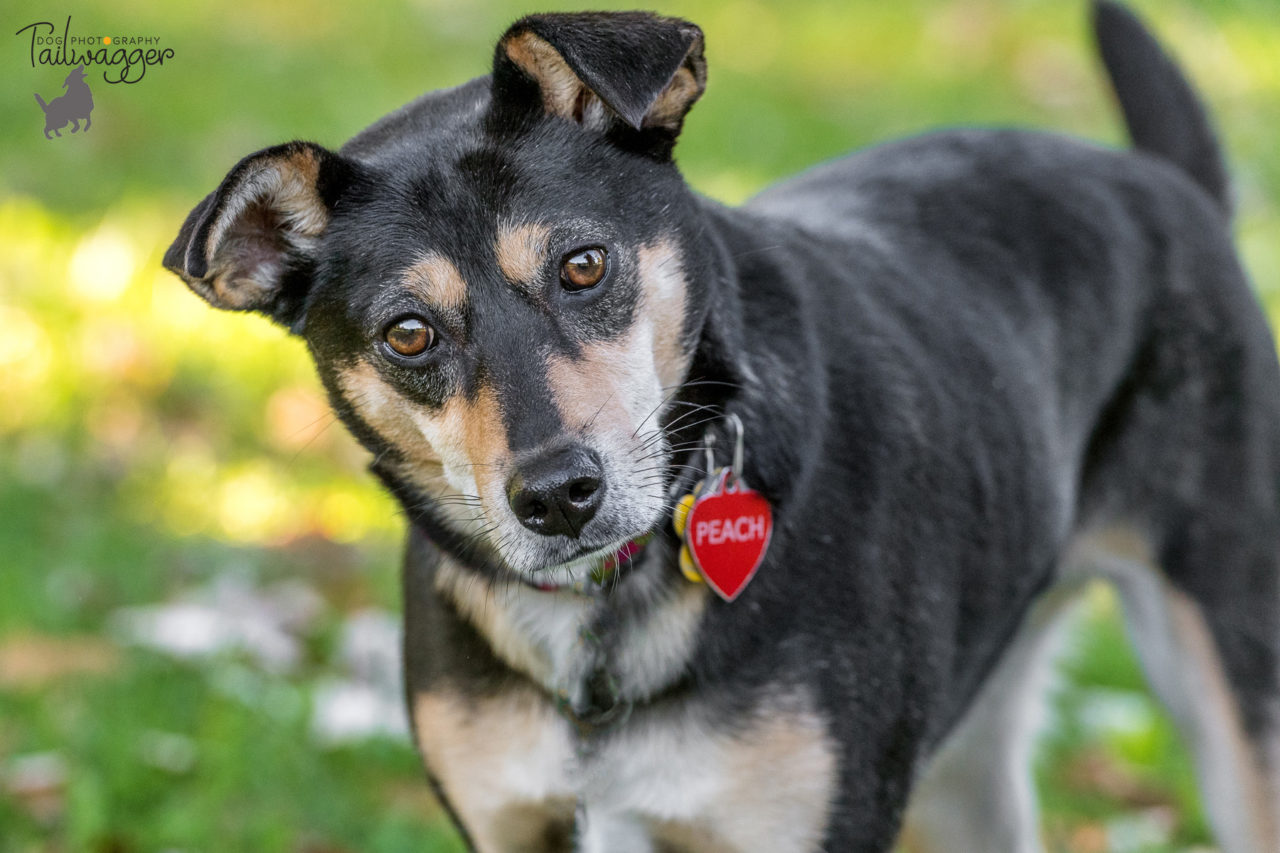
x=593, y=570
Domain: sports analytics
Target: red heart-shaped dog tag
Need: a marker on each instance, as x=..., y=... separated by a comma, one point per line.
x=727, y=532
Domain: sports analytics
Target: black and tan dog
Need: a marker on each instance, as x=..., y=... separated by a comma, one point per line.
x=974, y=369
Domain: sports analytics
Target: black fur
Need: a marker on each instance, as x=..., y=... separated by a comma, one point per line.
x=1163, y=112
x=626, y=59
x=952, y=355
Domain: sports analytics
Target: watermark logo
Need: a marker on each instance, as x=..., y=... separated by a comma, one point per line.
x=70, y=108
x=122, y=58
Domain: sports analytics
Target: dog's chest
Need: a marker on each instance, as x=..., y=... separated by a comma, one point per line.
x=521, y=774
x=519, y=777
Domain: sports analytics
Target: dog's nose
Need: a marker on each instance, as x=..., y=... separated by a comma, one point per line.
x=557, y=493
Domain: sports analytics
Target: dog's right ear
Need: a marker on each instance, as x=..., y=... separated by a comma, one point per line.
x=250, y=245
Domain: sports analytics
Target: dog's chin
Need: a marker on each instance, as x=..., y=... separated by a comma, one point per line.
x=560, y=561
x=568, y=561
x=576, y=570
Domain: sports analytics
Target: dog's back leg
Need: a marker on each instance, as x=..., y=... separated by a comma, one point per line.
x=977, y=795
x=1180, y=632
x=1192, y=457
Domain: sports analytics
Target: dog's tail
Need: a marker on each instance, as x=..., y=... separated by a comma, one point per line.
x=40, y=101
x=1164, y=114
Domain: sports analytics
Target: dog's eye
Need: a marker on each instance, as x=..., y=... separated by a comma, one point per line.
x=410, y=336
x=584, y=268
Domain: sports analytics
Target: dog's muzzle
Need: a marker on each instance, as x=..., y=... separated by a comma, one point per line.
x=557, y=492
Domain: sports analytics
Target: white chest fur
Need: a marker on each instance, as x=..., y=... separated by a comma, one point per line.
x=549, y=636
x=512, y=766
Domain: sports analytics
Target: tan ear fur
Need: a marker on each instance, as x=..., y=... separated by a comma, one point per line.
x=566, y=95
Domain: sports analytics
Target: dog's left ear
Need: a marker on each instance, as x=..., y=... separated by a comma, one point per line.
x=631, y=75
x=251, y=244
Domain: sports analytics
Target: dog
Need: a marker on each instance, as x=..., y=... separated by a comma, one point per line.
x=72, y=107
x=954, y=378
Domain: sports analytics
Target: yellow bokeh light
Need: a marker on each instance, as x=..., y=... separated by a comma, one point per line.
x=252, y=505
x=190, y=476
x=174, y=310
x=25, y=358
x=24, y=348
x=345, y=516
x=102, y=265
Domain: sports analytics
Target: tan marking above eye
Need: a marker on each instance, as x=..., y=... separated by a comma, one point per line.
x=436, y=281
x=521, y=250
x=584, y=268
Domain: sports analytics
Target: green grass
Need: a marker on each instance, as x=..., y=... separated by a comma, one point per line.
x=252, y=783
x=1110, y=754
x=149, y=446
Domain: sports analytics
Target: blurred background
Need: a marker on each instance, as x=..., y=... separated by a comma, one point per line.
x=198, y=582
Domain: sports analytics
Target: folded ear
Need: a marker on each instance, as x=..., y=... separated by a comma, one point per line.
x=632, y=75
x=250, y=245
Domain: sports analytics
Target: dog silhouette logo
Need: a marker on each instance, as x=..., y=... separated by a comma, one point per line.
x=70, y=108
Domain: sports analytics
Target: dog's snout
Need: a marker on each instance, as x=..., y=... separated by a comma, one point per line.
x=557, y=493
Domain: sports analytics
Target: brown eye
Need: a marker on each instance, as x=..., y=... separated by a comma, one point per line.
x=410, y=336
x=583, y=269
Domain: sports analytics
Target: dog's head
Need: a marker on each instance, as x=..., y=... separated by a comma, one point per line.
x=501, y=284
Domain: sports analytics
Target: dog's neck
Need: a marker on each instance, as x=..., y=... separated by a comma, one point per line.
x=747, y=289
x=594, y=655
